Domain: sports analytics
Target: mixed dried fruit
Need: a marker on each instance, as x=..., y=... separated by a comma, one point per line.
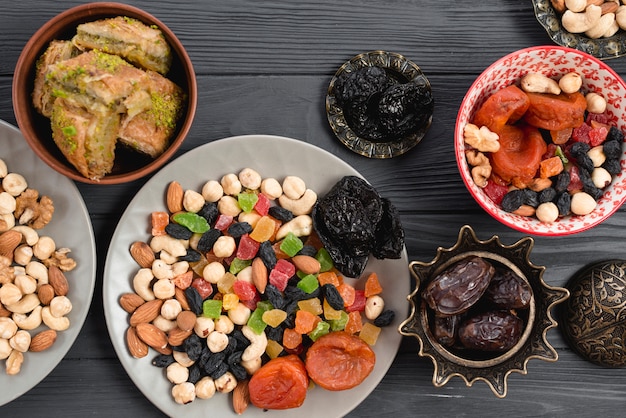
x=34, y=290
x=379, y=105
x=479, y=305
x=544, y=149
x=235, y=288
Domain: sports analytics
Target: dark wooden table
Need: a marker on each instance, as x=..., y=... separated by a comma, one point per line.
x=263, y=68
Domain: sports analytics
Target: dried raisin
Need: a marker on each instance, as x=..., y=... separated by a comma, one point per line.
x=547, y=195
x=267, y=254
x=333, y=297
x=194, y=300
x=207, y=240
x=385, y=318
x=512, y=200
x=163, y=360
x=280, y=213
x=209, y=212
x=238, y=229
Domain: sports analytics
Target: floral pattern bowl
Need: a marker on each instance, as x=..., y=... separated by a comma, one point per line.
x=551, y=61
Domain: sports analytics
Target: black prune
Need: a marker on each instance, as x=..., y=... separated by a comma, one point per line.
x=207, y=240
x=267, y=254
x=237, y=229
x=445, y=329
x=347, y=220
x=563, y=203
x=562, y=181
x=547, y=195
x=332, y=296
x=507, y=290
x=389, y=233
x=404, y=108
x=491, y=331
x=209, y=211
x=194, y=300
x=512, y=200
x=457, y=288
x=280, y=213
x=362, y=118
x=178, y=231
x=612, y=149
x=191, y=256
x=385, y=318
x=163, y=360
x=359, y=85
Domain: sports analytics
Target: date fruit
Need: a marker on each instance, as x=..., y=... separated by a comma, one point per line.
x=456, y=289
x=445, y=329
x=491, y=331
x=508, y=291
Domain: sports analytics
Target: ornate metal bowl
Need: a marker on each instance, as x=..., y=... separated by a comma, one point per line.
x=471, y=366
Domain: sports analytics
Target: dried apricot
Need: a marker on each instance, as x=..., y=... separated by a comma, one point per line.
x=279, y=384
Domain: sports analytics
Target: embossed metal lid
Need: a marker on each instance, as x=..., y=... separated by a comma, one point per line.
x=593, y=318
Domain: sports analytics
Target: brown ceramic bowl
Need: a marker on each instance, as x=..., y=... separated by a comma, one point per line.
x=473, y=365
x=129, y=165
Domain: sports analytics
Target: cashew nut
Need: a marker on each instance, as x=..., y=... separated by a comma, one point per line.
x=300, y=226
x=38, y=271
x=250, y=179
x=258, y=343
x=180, y=267
x=253, y=365
x=14, y=362
x=271, y=188
x=25, y=305
x=301, y=206
x=226, y=383
x=539, y=83
x=171, y=245
x=25, y=283
x=576, y=5
x=620, y=17
x=581, y=22
x=10, y=294
x=142, y=284
x=603, y=26
x=162, y=270
x=28, y=321
x=571, y=82
x=212, y=191
x=58, y=324
x=193, y=201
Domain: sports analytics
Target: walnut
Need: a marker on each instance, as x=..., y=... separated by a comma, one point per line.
x=7, y=273
x=481, y=168
x=61, y=260
x=32, y=210
x=481, y=138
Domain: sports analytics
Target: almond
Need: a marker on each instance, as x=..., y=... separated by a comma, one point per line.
x=241, y=397
x=259, y=274
x=176, y=336
x=137, y=347
x=8, y=243
x=186, y=320
x=4, y=312
x=152, y=336
x=306, y=264
x=45, y=293
x=179, y=295
x=174, y=197
x=131, y=301
x=57, y=280
x=142, y=254
x=609, y=7
x=43, y=340
x=146, y=312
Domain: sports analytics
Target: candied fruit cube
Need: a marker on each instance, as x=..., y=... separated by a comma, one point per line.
x=359, y=301
x=347, y=292
x=203, y=287
x=291, y=244
x=291, y=339
x=223, y=222
x=340, y=323
x=237, y=264
x=322, y=328
x=312, y=305
x=262, y=206
x=255, y=322
x=328, y=277
x=305, y=322
x=372, y=285
x=355, y=322
x=244, y=290
x=225, y=283
x=264, y=229
x=273, y=349
x=247, y=200
x=274, y=317
x=230, y=301
x=248, y=248
x=323, y=257
x=308, y=283
x=330, y=312
x=192, y=221
x=159, y=221
x=212, y=308
x=369, y=333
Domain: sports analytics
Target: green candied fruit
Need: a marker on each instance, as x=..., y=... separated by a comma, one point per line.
x=322, y=328
x=255, y=322
x=291, y=244
x=192, y=221
x=326, y=263
x=308, y=283
x=339, y=324
x=237, y=265
x=212, y=308
x=247, y=200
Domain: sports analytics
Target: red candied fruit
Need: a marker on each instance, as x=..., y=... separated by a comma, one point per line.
x=223, y=222
x=495, y=191
x=204, y=288
x=359, y=302
x=262, y=205
x=244, y=290
x=247, y=248
x=281, y=273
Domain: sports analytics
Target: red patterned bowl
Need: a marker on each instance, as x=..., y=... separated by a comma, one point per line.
x=552, y=61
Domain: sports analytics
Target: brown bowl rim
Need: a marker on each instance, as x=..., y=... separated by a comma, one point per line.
x=58, y=25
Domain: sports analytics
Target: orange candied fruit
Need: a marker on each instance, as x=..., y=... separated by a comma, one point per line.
x=355, y=322
x=372, y=285
x=291, y=339
x=328, y=277
x=159, y=221
x=264, y=229
x=348, y=293
x=305, y=322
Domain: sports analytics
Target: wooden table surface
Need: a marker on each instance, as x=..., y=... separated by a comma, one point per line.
x=263, y=68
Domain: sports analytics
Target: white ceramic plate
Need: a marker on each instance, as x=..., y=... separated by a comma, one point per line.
x=272, y=157
x=70, y=227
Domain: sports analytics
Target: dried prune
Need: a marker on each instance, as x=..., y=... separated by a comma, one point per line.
x=490, y=331
x=507, y=290
x=385, y=318
x=389, y=233
x=457, y=288
x=445, y=329
x=359, y=85
x=404, y=108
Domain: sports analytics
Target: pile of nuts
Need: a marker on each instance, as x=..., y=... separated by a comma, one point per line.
x=33, y=286
x=595, y=18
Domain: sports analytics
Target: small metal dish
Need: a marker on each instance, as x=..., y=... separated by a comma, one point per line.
x=403, y=69
x=470, y=366
x=602, y=48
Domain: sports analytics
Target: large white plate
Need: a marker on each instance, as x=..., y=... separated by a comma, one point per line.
x=274, y=157
x=70, y=227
